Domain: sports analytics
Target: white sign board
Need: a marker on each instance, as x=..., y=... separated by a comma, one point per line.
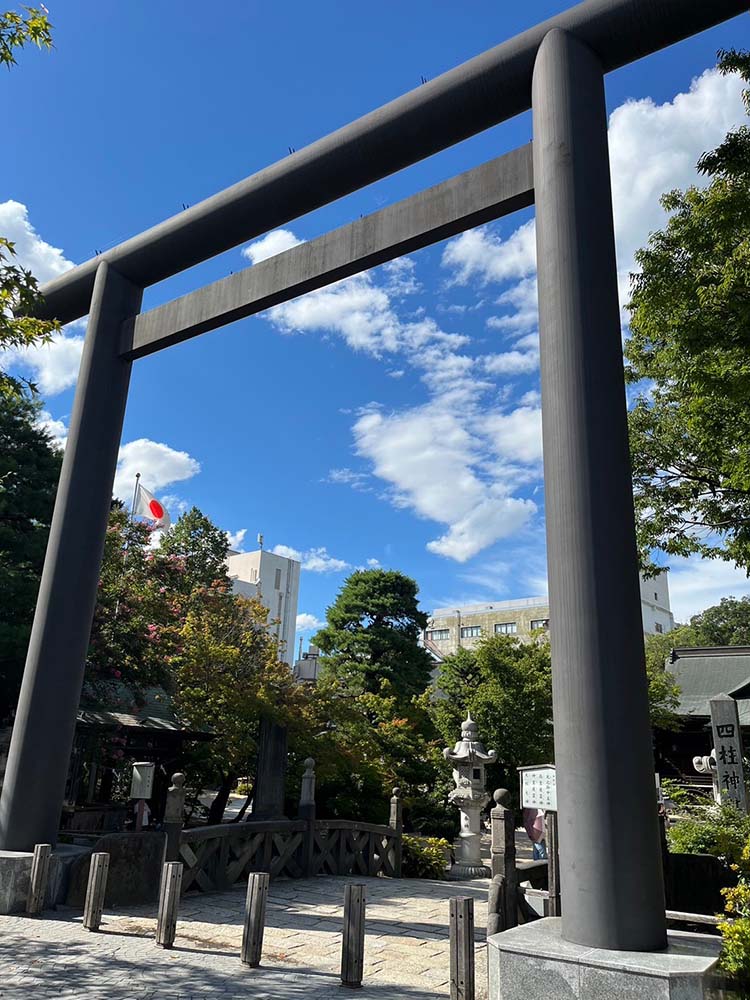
x=539, y=787
x=142, y=785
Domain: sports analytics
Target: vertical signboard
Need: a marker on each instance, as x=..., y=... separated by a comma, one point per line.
x=725, y=723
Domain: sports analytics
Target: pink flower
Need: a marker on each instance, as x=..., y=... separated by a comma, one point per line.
x=117, y=673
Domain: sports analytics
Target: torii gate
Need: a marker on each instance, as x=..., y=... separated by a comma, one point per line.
x=609, y=849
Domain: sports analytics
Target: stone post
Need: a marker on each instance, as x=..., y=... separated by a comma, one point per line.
x=612, y=885
x=174, y=815
x=306, y=812
x=270, y=779
x=502, y=903
x=396, y=823
x=725, y=723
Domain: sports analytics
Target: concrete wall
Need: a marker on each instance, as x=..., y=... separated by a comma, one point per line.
x=275, y=579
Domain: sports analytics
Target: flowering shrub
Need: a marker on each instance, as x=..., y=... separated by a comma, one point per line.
x=735, y=930
x=424, y=857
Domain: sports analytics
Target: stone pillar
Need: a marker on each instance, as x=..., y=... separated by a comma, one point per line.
x=612, y=886
x=46, y=715
x=270, y=779
x=174, y=816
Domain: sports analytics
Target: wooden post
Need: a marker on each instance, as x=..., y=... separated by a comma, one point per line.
x=353, y=942
x=255, y=918
x=38, y=880
x=169, y=901
x=553, y=864
x=462, y=947
x=397, y=824
x=95, y=891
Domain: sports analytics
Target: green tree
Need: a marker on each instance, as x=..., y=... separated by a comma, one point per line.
x=506, y=684
x=19, y=292
x=228, y=675
x=372, y=635
x=689, y=358
x=29, y=470
x=202, y=548
x=725, y=624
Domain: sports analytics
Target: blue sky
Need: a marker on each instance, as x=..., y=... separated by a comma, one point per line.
x=392, y=419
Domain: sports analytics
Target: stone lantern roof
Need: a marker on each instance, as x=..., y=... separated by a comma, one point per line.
x=469, y=749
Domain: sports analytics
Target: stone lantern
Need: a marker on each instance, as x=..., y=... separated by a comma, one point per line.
x=469, y=759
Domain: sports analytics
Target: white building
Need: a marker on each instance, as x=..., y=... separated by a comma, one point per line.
x=275, y=580
x=655, y=606
x=450, y=629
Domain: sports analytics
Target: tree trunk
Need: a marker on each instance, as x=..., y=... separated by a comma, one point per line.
x=219, y=804
x=245, y=806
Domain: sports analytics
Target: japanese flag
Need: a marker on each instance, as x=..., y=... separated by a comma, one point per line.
x=146, y=505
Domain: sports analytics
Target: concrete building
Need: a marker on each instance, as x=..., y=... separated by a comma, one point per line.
x=451, y=628
x=275, y=580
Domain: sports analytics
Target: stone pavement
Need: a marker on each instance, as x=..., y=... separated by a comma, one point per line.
x=406, y=948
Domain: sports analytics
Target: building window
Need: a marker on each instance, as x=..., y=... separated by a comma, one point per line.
x=506, y=628
x=277, y=581
x=659, y=627
x=439, y=634
x=539, y=623
x=471, y=631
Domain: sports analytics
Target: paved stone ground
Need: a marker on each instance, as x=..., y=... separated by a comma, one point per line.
x=406, y=950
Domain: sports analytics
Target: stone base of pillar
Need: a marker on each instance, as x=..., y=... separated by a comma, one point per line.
x=15, y=873
x=461, y=871
x=535, y=961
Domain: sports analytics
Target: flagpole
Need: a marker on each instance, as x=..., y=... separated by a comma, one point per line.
x=135, y=495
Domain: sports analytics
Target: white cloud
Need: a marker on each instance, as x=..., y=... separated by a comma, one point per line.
x=55, y=428
x=158, y=464
x=308, y=623
x=696, y=584
x=373, y=563
x=511, y=362
x=348, y=477
x=287, y=552
x=483, y=255
x=43, y=260
x=654, y=148
x=431, y=458
x=236, y=538
x=54, y=367
x=271, y=244
x=517, y=435
x=315, y=560
x=319, y=561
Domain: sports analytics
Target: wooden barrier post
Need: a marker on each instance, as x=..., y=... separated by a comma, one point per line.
x=553, y=864
x=462, y=947
x=353, y=942
x=95, y=891
x=169, y=901
x=38, y=880
x=255, y=918
x=396, y=823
